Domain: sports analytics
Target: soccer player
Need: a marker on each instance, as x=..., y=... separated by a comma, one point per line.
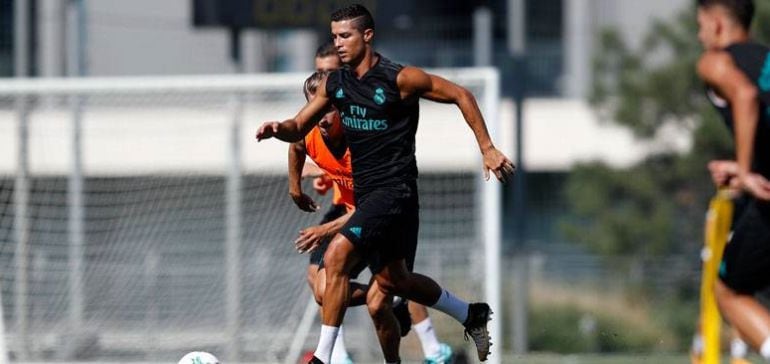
x=737, y=73
x=378, y=103
x=326, y=146
x=325, y=60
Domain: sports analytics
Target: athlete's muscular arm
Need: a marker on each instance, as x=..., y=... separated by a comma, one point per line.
x=293, y=130
x=310, y=238
x=413, y=82
x=297, y=155
x=719, y=71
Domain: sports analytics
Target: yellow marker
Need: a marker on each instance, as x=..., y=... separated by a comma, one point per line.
x=718, y=221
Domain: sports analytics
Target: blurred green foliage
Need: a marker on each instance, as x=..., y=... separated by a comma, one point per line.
x=567, y=329
x=655, y=207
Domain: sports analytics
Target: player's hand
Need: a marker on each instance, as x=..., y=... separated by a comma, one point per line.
x=756, y=185
x=722, y=171
x=310, y=238
x=322, y=184
x=267, y=130
x=499, y=164
x=304, y=202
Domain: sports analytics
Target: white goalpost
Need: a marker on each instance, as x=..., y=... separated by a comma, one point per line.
x=140, y=219
x=3, y=344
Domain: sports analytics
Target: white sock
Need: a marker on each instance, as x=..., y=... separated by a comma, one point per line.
x=697, y=344
x=428, y=339
x=738, y=348
x=340, y=352
x=764, y=350
x=452, y=306
x=326, y=343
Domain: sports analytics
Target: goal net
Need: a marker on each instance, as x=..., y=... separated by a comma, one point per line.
x=140, y=219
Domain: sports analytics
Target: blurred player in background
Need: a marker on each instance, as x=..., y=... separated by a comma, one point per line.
x=737, y=74
x=378, y=102
x=326, y=58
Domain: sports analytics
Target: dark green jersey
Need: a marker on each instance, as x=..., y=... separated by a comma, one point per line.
x=752, y=59
x=379, y=126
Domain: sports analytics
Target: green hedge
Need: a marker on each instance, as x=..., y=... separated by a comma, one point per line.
x=567, y=329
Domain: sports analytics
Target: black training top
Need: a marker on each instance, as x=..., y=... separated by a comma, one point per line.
x=379, y=126
x=753, y=60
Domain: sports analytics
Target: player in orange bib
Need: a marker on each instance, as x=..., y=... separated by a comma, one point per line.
x=326, y=146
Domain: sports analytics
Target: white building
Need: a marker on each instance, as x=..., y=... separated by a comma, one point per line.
x=146, y=37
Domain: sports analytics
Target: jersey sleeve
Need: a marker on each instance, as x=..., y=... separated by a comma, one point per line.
x=332, y=83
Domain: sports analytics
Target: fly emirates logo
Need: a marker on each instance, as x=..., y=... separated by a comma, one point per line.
x=355, y=119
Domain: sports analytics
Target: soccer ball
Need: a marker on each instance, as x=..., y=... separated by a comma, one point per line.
x=198, y=357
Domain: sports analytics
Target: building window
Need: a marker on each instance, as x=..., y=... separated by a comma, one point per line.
x=544, y=21
x=6, y=38
x=544, y=46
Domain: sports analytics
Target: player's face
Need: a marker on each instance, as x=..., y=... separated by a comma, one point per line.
x=349, y=41
x=326, y=64
x=330, y=124
x=708, y=28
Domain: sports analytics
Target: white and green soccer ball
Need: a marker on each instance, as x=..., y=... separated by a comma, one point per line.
x=198, y=357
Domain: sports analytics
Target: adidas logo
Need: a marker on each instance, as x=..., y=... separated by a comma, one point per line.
x=340, y=94
x=356, y=230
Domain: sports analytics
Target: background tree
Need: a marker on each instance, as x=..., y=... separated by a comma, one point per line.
x=655, y=207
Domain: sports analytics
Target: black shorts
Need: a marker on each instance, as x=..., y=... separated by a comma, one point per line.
x=317, y=255
x=385, y=225
x=739, y=206
x=745, y=265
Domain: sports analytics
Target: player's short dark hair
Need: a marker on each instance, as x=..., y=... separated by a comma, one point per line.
x=740, y=10
x=325, y=50
x=311, y=84
x=361, y=17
